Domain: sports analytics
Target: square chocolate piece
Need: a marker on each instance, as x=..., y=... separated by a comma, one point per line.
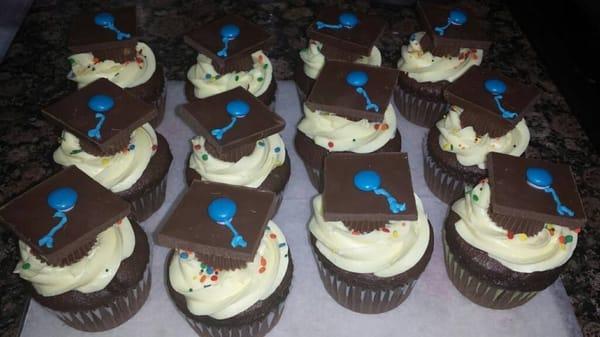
x=191, y=227
x=101, y=114
x=332, y=91
x=31, y=216
x=521, y=208
x=244, y=37
x=465, y=31
x=359, y=39
x=343, y=200
x=480, y=107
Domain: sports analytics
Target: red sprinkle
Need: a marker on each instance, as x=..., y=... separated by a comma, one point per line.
x=376, y=126
x=577, y=230
x=262, y=270
x=260, y=59
x=197, y=147
x=214, y=278
x=330, y=144
x=273, y=236
x=510, y=235
x=263, y=261
x=385, y=230
x=355, y=232
x=119, y=221
x=561, y=239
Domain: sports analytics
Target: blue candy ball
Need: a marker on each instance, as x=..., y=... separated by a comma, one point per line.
x=539, y=177
x=458, y=17
x=348, y=19
x=357, y=78
x=62, y=199
x=222, y=209
x=230, y=31
x=367, y=180
x=495, y=86
x=101, y=103
x=237, y=108
x=104, y=19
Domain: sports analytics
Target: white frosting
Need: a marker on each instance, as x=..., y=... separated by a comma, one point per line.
x=250, y=170
x=208, y=82
x=472, y=149
x=383, y=253
x=92, y=273
x=85, y=68
x=524, y=254
x=425, y=67
x=336, y=133
x=314, y=60
x=117, y=172
x=223, y=294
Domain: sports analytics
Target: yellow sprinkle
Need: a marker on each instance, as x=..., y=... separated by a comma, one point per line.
x=105, y=161
x=522, y=236
x=563, y=246
x=395, y=234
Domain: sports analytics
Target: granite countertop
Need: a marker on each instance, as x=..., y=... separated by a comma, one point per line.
x=35, y=68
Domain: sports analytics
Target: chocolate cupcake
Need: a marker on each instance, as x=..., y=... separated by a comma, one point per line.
x=511, y=236
x=238, y=142
x=229, y=276
x=453, y=41
x=481, y=120
x=81, y=256
x=106, y=45
x=369, y=231
x=239, y=62
x=342, y=115
x=338, y=35
x=107, y=136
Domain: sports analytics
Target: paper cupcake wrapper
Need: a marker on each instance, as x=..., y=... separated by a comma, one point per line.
x=417, y=110
x=480, y=292
x=445, y=187
x=149, y=202
x=258, y=328
x=113, y=314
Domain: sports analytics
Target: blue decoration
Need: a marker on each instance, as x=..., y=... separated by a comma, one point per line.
x=107, y=20
x=99, y=104
x=346, y=20
x=228, y=33
x=236, y=108
x=456, y=17
x=370, y=181
x=62, y=200
x=541, y=179
x=497, y=88
x=358, y=79
x=222, y=211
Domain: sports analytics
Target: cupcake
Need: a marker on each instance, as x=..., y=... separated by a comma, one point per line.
x=348, y=111
x=240, y=61
x=238, y=142
x=480, y=120
x=107, y=136
x=230, y=269
x=454, y=41
x=369, y=231
x=338, y=35
x=511, y=236
x=82, y=258
x=106, y=45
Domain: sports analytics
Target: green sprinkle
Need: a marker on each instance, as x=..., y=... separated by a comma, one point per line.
x=76, y=151
x=190, y=290
x=569, y=238
x=26, y=265
x=475, y=198
x=265, y=66
x=205, y=157
x=71, y=61
x=451, y=147
x=353, y=139
x=203, y=265
x=106, y=270
x=261, y=143
x=260, y=79
x=237, y=78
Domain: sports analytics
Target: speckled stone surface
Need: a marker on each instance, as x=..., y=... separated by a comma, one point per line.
x=35, y=68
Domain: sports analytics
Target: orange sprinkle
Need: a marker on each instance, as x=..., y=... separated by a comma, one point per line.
x=384, y=126
x=273, y=236
x=355, y=232
x=263, y=261
x=203, y=278
x=119, y=221
x=260, y=59
x=214, y=278
x=376, y=126
x=96, y=60
x=262, y=270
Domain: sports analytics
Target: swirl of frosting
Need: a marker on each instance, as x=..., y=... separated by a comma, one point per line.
x=92, y=273
x=425, y=67
x=383, y=253
x=336, y=133
x=208, y=82
x=250, y=170
x=471, y=149
x=117, y=172
x=223, y=294
x=521, y=253
x=85, y=68
x=314, y=60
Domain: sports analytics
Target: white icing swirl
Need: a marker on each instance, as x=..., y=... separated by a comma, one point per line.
x=250, y=170
x=208, y=82
x=472, y=149
x=117, y=172
x=85, y=68
x=314, y=60
x=92, y=273
x=521, y=253
x=425, y=67
x=336, y=133
x=223, y=294
x=383, y=253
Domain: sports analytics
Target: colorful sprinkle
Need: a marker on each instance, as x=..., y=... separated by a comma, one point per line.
x=119, y=221
x=106, y=270
x=260, y=59
x=263, y=261
x=569, y=238
x=376, y=126
x=207, y=76
x=190, y=290
x=203, y=278
x=260, y=79
x=273, y=236
x=207, y=285
x=353, y=139
x=76, y=151
x=154, y=147
x=205, y=157
x=475, y=198
x=384, y=127
x=385, y=230
x=214, y=278
x=522, y=236
x=71, y=61
x=183, y=255
x=105, y=161
x=265, y=66
x=197, y=147
x=217, y=77
x=330, y=144
x=237, y=78
x=131, y=147
x=277, y=149
x=262, y=270
x=510, y=235
x=26, y=265
x=261, y=143
x=209, y=270
x=577, y=230
x=355, y=232
x=281, y=245
x=395, y=234
x=561, y=239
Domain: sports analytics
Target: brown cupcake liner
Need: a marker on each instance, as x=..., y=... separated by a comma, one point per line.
x=418, y=110
x=480, y=292
x=444, y=186
x=109, y=316
x=149, y=201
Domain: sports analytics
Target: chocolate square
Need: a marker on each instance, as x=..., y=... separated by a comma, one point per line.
x=366, y=211
x=520, y=208
x=128, y=113
x=480, y=109
x=470, y=35
x=359, y=39
x=331, y=93
x=30, y=217
x=207, y=40
x=190, y=228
